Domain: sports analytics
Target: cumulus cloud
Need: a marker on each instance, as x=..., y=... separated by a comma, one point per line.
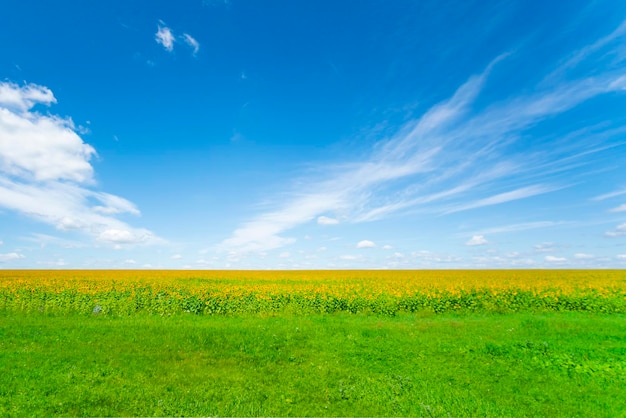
x=325, y=220
x=477, y=240
x=621, y=256
x=349, y=257
x=123, y=236
x=24, y=98
x=365, y=244
x=9, y=257
x=165, y=37
x=553, y=259
x=544, y=247
x=619, y=231
x=388, y=247
x=56, y=263
x=428, y=257
x=176, y=257
x=41, y=148
x=583, y=256
x=46, y=174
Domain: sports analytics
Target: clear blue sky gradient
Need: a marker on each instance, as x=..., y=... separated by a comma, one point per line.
x=327, y=134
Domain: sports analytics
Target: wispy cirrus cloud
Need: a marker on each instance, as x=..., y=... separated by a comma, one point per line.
x=192, y=42
x=166, y=38
x=46, y=174
x=457, y=156
x=524, y=226
x=610, y=195
x=620, y=208
x=512, y=195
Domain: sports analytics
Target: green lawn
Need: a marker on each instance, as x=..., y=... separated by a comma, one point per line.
x=519, y=364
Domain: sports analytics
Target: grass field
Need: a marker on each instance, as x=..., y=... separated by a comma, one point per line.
x=313, y=343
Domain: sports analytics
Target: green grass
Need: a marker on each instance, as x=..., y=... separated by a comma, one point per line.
x=517, y=364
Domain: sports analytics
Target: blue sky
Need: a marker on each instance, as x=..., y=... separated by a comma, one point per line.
x=330, y=134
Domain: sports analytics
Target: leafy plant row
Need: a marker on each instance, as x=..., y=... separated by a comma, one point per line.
x=145, y=300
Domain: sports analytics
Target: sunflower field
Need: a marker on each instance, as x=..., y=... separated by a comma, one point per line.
x=143, y=292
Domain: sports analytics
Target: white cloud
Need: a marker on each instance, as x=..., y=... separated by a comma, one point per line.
x=325, y=220
x=284, y=254
x=621, y=256
x=553, y=259
x=620, y=208
x=176, y=257
x=517, y=194
x=320, y=249
x=477, y=240
x=1, y=242
x=113, y=205
x=455, y=157
x=45, y=171
x=619, y=231
x=57, y=263
x=130, y=261
x=518, y=227
x=9, y=257
x=195, y=45
x=165, y=37
x=37, y=147
x=350, y=257
x=583, y=256
x=124, y=236
x=387, y=247
x=44, y=240
x=429, y=257
x=610, y=195
x=365, y=244
x=262, y=233
x=21, y=99
x=544, y=247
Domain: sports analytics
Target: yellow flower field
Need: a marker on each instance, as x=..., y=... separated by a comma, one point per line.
x=167, y=292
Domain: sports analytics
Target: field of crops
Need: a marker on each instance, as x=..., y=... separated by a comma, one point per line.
x=313, y=343
x=130, y=292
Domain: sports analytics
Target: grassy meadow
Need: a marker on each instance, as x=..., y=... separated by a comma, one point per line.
x=314, y=343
